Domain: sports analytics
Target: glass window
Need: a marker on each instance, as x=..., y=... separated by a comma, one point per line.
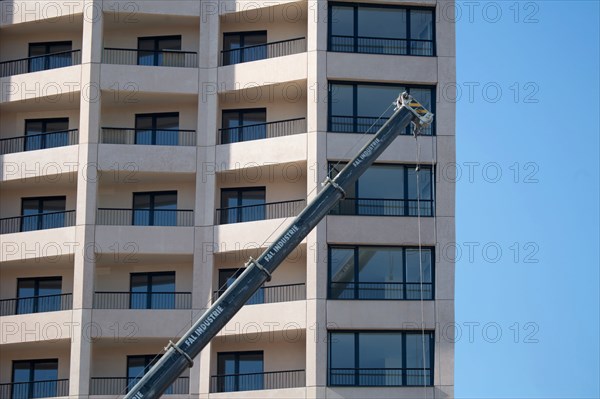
x=241, y=47
x=243, y=125
x=157, y=129
x=374, y=22
x=42, y=213
x=155, y=208
x=380, y=358
x=155, y=51
x=226, y=279
x=242, y=204
x=239, y=371
x=152, y=290
x=37, y=295
x=46, y=133
x=34, y=379
x=392, y=273
x=50, y=55
x=342, y=20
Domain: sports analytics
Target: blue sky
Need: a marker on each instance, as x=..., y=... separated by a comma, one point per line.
x=544, y=57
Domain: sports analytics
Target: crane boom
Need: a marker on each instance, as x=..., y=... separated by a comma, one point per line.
x=178, y=356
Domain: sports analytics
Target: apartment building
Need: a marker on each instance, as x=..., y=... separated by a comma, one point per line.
x=149, y=148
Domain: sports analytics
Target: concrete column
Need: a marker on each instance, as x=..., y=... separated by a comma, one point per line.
x=87, y=188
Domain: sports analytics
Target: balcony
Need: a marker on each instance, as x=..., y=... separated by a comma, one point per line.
x=166, y=137
x=250, y=213
x=41, y=221
x=257, y=381
x=366, y=124
x=163, y=58
x=380, y=291
x=142, y=300
x=380, y=377
x=40, y=63
x=39, y=141
x=383, y=207
x=380, y=45
x=36, y=304
x=37, y=389
x=262, y=131
x=263, y=51
x=274, y=294
x=145, y=217
x=120, y=385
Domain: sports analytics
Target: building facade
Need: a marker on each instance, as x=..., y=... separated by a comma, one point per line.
x=149, y=148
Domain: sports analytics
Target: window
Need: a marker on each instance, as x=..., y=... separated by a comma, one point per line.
x=157, y=129
x=49, y=55
x=241, y=47
x=36, y=295
x=160, y=51
x=379, y=359
x=35, y=379
x=46, y=133
x=228, y=276
x=242, y=204
x=392, y=273
x=388, y=190
x=42, y=213
x=243, y=125
x=239, y=371
x=365, y=107
x=377, y=29
x=152, y=290
x=155, y=208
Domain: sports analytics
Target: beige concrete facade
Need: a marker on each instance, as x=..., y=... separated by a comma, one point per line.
x=99, y=248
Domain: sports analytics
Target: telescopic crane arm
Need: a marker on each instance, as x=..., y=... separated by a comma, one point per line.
x=179, y=356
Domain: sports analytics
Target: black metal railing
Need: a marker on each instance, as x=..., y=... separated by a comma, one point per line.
x=274, y=294
x=262, y=131
x=164, y=58
x=250, y=213
x=169, y=137
x=258, y=381
x=144, y=217
x=384, y=291
x=263, y=51
x=383, y=207
x=121, y=385
x=39, y=141
x=381, y=45
x=36, y=304
x=366, y=124
x=383, y=377
x=36, y=389
x=40, y=221
x=142, y=300
x=40, y=63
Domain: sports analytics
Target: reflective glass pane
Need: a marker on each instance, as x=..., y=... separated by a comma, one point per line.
x=163, y=288
x=342, y=102
x=418, y=359
x=380, y=359
x=342, y=359
x=380, y=273
x=421, y=24
x=26, y=290
x=139, y=291
x=342, y=21
x=382, y=23
x=342, y=273
x=49, y=295
x=372, y=100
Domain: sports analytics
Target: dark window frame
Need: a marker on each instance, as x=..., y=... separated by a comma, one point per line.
x=46, y=53
x=155, y=48
x=239, y=191
x=42, y=135
x=154, y=116
x=356, y=6
x=237, y=365
x=356, y=248
x=241, y=112
x=31, y=367
x=152, y=195
x=149, y=290
x=40, y=219
x=36, y=290
x=404, y=333
x=242, y=36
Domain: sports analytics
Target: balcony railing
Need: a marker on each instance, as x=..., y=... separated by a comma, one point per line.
x=142, y=300
x=274, y=294
x=169, y=137
x=164, y=58
x=40, y=63
x=363, y=124
x=262, y=131
x=144, y=217
x=380, y=45
x=39, y=141
x=40, y=221
x=383, y=207
x=384, y=377
x=36, y=304
x=383, y=291
x=250, y=213
x=37, y=389
x=257, y=381
x=119, y=386
x=263, y=51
